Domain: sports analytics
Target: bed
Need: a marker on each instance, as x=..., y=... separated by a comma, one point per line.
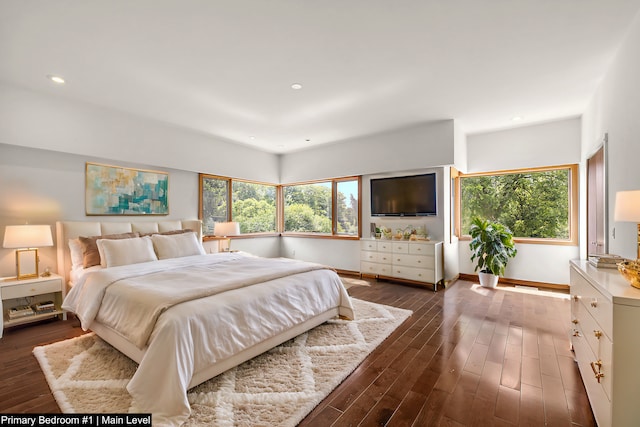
x=188, y=315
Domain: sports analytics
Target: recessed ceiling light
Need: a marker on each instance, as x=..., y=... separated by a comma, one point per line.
x=252, y=137
x=296, y=86
x=56, y=79
x=516, y=118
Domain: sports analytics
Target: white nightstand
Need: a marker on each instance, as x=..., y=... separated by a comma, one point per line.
x=16, y=293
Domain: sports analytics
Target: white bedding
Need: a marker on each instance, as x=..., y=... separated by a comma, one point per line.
x=190, y=336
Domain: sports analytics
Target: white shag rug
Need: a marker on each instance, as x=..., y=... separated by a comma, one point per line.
x=279, y=387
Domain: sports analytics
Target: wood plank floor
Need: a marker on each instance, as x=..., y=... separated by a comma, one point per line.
x=466, y=357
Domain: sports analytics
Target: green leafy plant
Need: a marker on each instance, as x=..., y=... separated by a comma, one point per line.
x=491, y=245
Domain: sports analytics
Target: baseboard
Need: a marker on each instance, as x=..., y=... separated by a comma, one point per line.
x=348, y=273
x=504, y=281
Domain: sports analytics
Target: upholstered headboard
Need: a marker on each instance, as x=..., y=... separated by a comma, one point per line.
x=66, y=230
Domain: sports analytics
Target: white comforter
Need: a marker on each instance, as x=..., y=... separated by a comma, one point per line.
x=192, y=334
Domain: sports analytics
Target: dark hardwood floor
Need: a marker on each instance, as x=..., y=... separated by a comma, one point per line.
x=466, y=357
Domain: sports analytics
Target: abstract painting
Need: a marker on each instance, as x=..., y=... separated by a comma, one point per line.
x=114, y=190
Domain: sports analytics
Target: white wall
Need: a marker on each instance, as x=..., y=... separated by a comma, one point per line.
x=416, y=147
x=45, y=141
x=615, y=110
x=413, y=150
x=548, y=144
x=42, y=187
x=38, y=120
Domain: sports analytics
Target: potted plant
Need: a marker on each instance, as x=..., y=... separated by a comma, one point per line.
x=491, y=247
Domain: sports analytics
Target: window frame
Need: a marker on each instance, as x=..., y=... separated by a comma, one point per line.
x=573, y=203
x=280, y=206
x=334, y=196
x=230, y=182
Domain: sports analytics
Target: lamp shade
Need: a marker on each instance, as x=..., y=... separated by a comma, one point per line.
x=226, y=229
x=27, y=236
x=627, y=207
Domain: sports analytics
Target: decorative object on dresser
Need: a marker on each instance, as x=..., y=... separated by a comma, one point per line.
x=491, y=247
x=27, y=239
x=605, y=260
x=29, y=300
x=116, y=190
x=604, y=313
x=417, y=262
x=224, y=230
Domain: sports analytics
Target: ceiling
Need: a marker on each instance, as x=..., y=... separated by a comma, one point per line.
x=225, y=68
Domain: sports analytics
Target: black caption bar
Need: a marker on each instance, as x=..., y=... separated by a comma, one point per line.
x=87, y=420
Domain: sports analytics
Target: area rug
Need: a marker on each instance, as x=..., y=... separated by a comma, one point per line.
x=277, y=388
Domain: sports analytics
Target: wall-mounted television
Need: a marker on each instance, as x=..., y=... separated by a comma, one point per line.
x=404, y=196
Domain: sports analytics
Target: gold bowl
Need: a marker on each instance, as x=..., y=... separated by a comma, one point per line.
x=630, y=270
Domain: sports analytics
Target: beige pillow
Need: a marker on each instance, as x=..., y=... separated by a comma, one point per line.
x=126, y=251
x=90, y=254
x=177, y=245
x=75, y=251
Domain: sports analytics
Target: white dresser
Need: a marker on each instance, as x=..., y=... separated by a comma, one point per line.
x=605, y=334
x=411, y=261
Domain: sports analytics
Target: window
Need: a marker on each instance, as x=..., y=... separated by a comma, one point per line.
x=330, y=208
x=536, y=204
x=324, y=207
x=214, y=200
x=253, y=205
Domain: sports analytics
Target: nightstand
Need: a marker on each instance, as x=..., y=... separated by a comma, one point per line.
x=28, y=292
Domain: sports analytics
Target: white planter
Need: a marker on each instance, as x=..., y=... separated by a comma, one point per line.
x=488, y=280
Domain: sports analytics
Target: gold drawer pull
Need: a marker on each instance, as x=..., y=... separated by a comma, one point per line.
x=598, y=334
x=594, y=303
x=576, y=297
x=597, y=372
x=576, y=333
x=575, y=321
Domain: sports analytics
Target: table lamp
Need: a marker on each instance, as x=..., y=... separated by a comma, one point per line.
x=27, y=239
x=627, y=209
x=226, y=229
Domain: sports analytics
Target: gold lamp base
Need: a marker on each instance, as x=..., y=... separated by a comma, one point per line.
x=27, y=263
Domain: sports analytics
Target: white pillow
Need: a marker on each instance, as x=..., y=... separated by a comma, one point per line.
x=177, y=245
x=75, y=250
x=126, y=251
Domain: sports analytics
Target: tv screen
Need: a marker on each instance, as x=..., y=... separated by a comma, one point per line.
x=404, y=196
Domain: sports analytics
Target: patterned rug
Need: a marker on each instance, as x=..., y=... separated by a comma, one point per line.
x=279, y=387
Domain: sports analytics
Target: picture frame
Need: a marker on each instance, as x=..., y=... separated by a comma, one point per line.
x=117, y=190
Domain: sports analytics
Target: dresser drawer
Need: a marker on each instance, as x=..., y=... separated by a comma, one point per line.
x=375, y=268
x=385, y=246
x=369, y=268
x=369, y=256
x=368, y=245
x=412, y=273
x=31, y=289
x=600, y=345
x=422, y=249
x=592, y=301
x=400, y=247
x=600, y=401
x=417, y=261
